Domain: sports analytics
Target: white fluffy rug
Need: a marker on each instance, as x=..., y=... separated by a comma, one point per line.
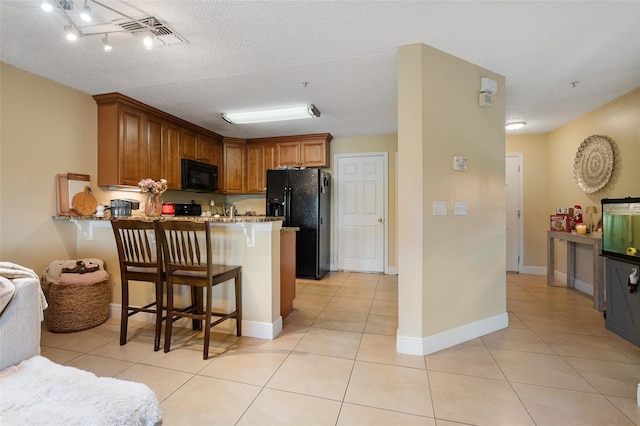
x=40, y=392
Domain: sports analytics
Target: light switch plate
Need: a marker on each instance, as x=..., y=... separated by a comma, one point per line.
x=439, y=208
x=460, y=208
x=459, y=163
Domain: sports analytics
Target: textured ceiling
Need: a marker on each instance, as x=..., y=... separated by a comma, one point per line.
x=256, y=54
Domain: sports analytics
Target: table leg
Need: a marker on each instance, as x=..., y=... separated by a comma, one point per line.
x=571, y=264
x=550, y=261
x=598, y=281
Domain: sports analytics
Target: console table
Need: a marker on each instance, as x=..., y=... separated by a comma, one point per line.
x=595, y=241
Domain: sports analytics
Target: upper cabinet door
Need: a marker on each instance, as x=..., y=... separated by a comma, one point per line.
x=134, y=149
x=255, y=169
x=289, y=154
x=314, y=153
x=234, y=168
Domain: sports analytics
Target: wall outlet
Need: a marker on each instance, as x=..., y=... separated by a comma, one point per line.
x=459, y=163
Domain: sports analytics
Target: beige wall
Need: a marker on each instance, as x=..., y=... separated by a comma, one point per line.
x=451, y=268
x=46, y=129
x=535, y=181
x=548, y=173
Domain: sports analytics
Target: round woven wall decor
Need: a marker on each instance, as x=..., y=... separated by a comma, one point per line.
x=593, y=164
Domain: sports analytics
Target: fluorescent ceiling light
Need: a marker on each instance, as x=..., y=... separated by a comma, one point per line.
x=515, y=126
x=293, y=113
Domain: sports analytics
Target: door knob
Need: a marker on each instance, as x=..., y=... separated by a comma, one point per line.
x=380, y=219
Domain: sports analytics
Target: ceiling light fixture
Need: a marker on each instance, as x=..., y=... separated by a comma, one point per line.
x=281, y=114
x=106, y=45
x=515, y=125
x=85, y=15
x=46, y=6
x=69, y=33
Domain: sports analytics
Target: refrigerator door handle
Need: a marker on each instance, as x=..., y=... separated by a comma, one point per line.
x=287, y=205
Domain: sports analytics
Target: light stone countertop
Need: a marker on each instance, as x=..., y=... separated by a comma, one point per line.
x=221, y=219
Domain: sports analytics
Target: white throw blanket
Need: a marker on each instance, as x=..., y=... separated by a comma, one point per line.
x=10, y=271
x=40, y=392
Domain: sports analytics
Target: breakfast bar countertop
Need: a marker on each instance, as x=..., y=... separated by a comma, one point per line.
x=221, y=219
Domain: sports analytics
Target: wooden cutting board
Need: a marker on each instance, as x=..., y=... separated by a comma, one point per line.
x=84, y=203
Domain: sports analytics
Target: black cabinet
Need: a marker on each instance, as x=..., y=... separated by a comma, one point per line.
x=623, y=307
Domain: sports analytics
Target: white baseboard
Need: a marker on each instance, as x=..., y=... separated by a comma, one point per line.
x=583, y=286
x=391, y=270
x=534, y=270
x=446, y=339
x=261, y=330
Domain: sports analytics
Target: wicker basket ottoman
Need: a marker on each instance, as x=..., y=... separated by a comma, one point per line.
x=75, y=307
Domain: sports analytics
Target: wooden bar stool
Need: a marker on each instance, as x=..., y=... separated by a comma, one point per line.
x=140, y=260
x=186, y=247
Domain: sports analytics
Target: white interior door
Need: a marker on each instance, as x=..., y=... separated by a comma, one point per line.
x=361, y=183
x=514, y=212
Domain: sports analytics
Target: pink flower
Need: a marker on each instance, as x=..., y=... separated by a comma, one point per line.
x=151, y=187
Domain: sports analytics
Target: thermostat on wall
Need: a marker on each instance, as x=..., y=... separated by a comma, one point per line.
x=459, y=163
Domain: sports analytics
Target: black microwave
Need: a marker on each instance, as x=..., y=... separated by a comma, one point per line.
x=199, y=176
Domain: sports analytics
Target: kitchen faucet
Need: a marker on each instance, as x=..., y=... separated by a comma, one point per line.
x=231, y=210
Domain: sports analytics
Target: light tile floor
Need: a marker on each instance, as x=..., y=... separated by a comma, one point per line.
x=335, y=364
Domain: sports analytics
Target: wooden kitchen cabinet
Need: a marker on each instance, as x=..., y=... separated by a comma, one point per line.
x=299, y=151
x=289, y=154
x=123, y=149
x=171, y=167
x=260, y=158
x=136, y=141
x=315, y=152
x=234, y=166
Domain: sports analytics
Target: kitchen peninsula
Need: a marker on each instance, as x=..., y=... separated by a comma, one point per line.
x=250, y=241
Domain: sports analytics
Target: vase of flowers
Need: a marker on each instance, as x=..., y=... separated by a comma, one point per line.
x=153, y=189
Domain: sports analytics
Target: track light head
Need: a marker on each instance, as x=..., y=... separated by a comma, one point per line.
x=106, y=45
x=85, y=15
x=69, y=33
x=46, y=5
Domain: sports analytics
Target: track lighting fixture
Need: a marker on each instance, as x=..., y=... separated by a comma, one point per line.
x=149, y=29
x=69, y=33
x=85, y=15
x=105, y=44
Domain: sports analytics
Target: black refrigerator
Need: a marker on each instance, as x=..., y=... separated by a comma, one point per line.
x=303, y=197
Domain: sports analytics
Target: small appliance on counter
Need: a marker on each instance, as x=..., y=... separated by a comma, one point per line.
x=191, y=209
x=123, y=207
x=168, y=209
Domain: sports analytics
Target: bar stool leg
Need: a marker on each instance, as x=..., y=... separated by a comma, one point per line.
x=169, y=319
x=238, y=283
x=124, y=312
